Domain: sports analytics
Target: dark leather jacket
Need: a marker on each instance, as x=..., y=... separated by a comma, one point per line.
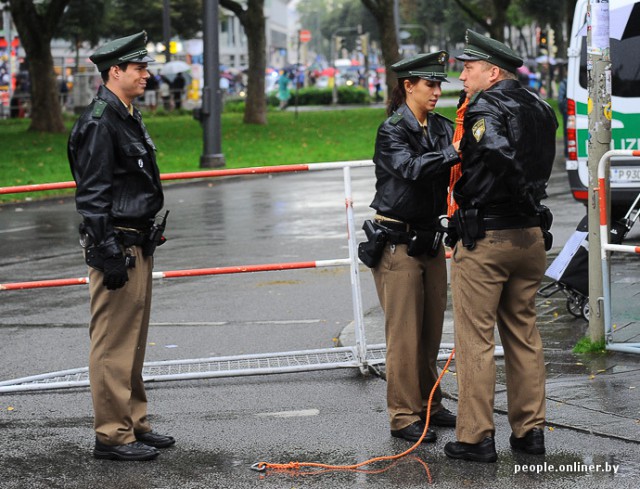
x=113, y=162
x=507, y=150
x=412, y=169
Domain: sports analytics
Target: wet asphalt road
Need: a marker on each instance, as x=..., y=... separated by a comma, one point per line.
x=225, y=425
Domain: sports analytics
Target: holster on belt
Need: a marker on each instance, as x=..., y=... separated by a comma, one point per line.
x=370, y=251
x=95, y=255
x=546, y=219
x=469, y=225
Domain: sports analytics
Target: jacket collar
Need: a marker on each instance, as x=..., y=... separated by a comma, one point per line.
x=116, y=104
x=505, y=85
x=414, y=125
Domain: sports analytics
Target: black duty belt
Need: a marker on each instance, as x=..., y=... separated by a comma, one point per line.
x=511, y=222
x=397, y=232
x=394, y=225
x=130, y=237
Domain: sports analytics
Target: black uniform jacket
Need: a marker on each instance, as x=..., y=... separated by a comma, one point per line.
x=412, y=169
x=112, y=158
x=507, y=150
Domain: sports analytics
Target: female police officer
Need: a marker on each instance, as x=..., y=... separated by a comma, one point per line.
x=413, y=157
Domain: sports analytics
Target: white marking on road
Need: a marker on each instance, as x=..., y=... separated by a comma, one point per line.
x=290, y=414
x=16, y=230
x=219, y=323
x=291, y=321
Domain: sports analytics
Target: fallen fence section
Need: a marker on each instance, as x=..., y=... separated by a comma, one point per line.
x=231, y=366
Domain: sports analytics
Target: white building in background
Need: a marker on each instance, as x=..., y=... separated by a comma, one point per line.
x=233, y=40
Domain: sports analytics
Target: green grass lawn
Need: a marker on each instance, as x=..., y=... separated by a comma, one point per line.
x=318, y=136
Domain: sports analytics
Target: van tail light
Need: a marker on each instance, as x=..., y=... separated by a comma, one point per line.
x=572, y=141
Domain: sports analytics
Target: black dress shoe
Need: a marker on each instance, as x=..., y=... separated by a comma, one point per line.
x=155, y=440
x=414, y=431
x=485, y=451
x=444, y=418
x=129, y=452
x=532, y=442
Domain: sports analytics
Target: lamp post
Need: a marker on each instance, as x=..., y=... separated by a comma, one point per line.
x=211, y=97
x=166, y=29
x=6, y=26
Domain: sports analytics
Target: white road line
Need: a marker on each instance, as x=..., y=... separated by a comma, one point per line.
x=16, y=230
x=290, y=414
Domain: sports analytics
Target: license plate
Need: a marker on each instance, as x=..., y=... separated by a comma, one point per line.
x=625, y=174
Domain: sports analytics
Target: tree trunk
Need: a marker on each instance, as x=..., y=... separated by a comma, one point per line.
x=35, y=28
x=254, y=23
x=255, y=111
x=382, y=10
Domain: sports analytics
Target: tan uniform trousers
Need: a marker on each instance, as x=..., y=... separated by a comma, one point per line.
x=118, y=332
x=413, y=296
x=496, y=283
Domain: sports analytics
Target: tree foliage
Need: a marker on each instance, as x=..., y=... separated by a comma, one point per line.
x=125, y=18
x=491, y=15
x=83, y=21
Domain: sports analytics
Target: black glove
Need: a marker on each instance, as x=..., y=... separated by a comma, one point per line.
x=115, y=272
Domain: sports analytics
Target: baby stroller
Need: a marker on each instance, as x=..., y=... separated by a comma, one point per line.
x=570, y=269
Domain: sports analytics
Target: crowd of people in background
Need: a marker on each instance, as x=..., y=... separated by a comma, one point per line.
x=169, y=91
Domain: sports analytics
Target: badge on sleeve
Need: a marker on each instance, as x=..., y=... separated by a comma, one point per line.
x=478, y=130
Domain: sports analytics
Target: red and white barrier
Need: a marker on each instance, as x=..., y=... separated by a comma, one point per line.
x=360, y=348
x=606, y=247
x=193, y=272
x=40, y=187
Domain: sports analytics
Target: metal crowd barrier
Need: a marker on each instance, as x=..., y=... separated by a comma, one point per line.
x=606, y=248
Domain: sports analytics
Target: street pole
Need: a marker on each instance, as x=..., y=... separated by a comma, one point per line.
x=166, y=29
x=295, y=79
x=599, y=109
x=6, y=26
x=212, y=156
x=334, y=95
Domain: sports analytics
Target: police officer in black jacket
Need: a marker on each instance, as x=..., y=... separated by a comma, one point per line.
x=113, y=162
x=413, y=157
x=507, y=149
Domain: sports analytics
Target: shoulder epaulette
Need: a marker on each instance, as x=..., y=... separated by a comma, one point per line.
x=395, y=118
x=98, y=109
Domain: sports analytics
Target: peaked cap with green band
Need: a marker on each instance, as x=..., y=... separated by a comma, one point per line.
x=483, y=48
x=431, y=66
x=130, y=49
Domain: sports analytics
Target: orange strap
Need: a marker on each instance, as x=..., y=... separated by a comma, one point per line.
x=456, y=170
x=318, y=468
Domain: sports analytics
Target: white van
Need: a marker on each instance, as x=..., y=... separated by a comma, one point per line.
x=625, y=103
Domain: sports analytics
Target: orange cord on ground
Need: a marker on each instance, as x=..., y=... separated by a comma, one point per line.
x=456, y=170
x=296, y=466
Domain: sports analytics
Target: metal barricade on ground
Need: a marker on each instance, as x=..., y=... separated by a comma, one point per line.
x=606, y=248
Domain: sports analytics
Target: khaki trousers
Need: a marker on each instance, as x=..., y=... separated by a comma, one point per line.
x=413, y=296
x=118, y=332
x=496, y=283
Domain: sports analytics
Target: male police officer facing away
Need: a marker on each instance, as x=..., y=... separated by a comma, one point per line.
x=507, y=152
x=112, y=159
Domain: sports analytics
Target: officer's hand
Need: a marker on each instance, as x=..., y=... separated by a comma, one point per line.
x=115, y=272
